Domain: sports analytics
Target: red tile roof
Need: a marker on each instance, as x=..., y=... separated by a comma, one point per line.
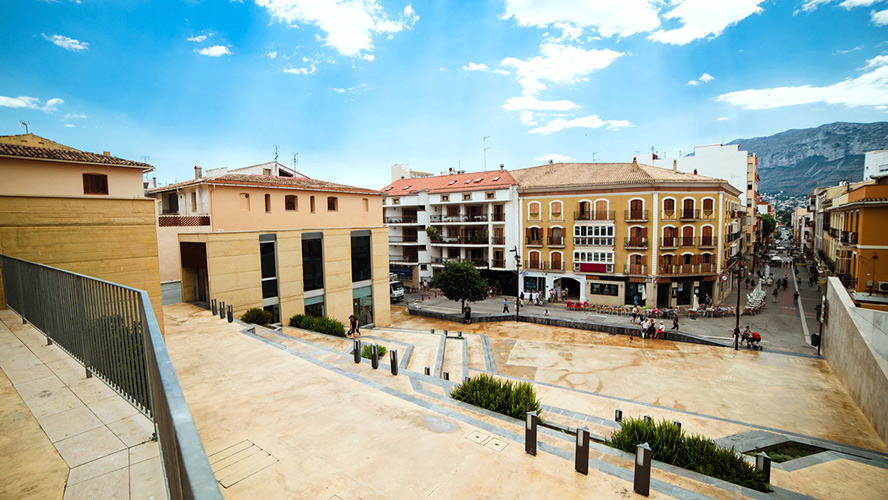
x=63, y=153
x=267, y=181
x=477, y=181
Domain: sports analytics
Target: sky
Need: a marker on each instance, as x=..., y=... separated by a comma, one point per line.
x=345, y=89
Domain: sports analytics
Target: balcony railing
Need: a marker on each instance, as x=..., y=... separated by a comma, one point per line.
x=669, y=242
x=498, y=263
x=708, y=241
x=536, y=264
x=555, y=241
x=848, y=237
x=687, y=268
x=457, y=219
x=635, y=269
x=403, y=219
x=636, y=242
x=636, y=215
x=112, y=331
x=687, y=241
x=498, y=217
x=475, y=262
x=689, y=214
x=498, y=240
x=403, y=258
x=183, y=220
x=533, y=242
x=594, y=215
x=734, y=236
x=461, y=240
x=403, y=239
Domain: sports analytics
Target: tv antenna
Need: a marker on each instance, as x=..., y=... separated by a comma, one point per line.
x=295, y=159
x=485, y=151
x=26, y=124
x=276, y=153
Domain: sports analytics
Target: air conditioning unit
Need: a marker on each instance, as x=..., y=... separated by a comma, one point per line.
x=883, y=286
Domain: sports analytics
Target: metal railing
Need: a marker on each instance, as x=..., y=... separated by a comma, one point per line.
x=636, y=215
x=111, y=330
x=594, y=215
x=401, y=219
x=635, y=242
x=165, y=220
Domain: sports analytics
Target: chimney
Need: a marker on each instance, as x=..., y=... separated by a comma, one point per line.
x=106, y=153
x=675, y=165
x=551, y=161
x=502, y=166
x=635, y=161
x=153, y=182
x=197, y=172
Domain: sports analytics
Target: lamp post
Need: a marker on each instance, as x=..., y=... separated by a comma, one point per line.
x=740, y=273
x=517, y=281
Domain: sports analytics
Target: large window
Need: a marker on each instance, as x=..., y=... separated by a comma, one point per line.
x=269, y=269
x=312, y=261
x=291, y=202
x=597, y=262
x=362, y=301
x=332, y=204
x=360, y=256
x=597, y=235
x=314, y=306
x=95, y=184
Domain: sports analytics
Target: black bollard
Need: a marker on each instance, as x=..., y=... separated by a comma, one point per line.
x=618, y=415
x=374, y=356
x=763, y=464
x=677, y=424
x=530, y=433
x=428, y=371
x=433, y=330
x=222, y=311
x=213, y=305
x=581, y=464
x=394, y=360
x=446, y=375
x=642, y=483
x=445, y=333
x=230, y=315
x=466, y=379
x=647, y=419
x=459, y=334
x=357, y=351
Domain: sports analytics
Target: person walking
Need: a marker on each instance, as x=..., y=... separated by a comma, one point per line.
x=675, y=320
x=795, y=296
x=468, y=315
x=505, y=305
x=776, y=291
x=354, y=329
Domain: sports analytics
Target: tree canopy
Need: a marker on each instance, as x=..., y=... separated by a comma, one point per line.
x=768, y=225
x=461, y=281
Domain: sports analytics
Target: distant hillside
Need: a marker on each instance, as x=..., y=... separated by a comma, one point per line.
x=797, y=161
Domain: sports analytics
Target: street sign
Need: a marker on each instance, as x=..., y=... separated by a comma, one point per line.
x=724, y=277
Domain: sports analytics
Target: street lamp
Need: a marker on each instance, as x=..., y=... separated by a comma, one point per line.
x=517, y=281
x=740, y=273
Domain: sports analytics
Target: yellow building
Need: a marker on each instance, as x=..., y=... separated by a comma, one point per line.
x=617, y=233
x=79, y=211
x=290, y=245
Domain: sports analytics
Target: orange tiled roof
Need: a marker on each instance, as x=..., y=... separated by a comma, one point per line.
x=477, y=181
x=266, y=181
x=578, y=175
x=59, y=152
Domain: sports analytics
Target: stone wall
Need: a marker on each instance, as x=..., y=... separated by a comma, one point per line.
x=854, y=343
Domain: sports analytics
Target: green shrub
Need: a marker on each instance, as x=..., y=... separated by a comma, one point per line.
x=671, y=445
x=502, y=396
x=257, y=316
x=323, y=324
x=380, y=352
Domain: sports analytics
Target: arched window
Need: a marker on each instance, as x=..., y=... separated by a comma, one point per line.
x=638, y=236
x=669, y=236
x=533, y=260
x=637, y=263
x=585, y=211
x=706, y=239
x=708, y=208
x=555, y=211
x=601, y=210
x=534, y=236
x=533, y=209
x=669, y=208
x=687, y=236
x=706, y=265
x=555, y=257
x=636, y=210
x=556, y=236
x=687, y=209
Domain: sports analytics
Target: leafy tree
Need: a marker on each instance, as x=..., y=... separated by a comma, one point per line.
x=768, y=225
x=461, y=281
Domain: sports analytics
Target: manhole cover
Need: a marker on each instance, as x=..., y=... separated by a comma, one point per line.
x=477, y=437
x=240, y=461
x=496, y=444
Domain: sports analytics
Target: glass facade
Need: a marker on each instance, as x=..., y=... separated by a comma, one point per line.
x=314, y=306
x=312, y=261
x=269, y=269
x=360, y=257
x=363, y=304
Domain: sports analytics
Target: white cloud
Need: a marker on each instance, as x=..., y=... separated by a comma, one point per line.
x=812, y=5
x=69, y=125
x=868, y=89
x=703, y=18
x=69, y=116
x=27, y=102
x=559, y=64
x=704, y=78
x=67, y=43
x=555, y=157
x=338, y=90
x=475, y=67
x=214, y=51
x=721, y=118
x=198, y=39
x=349, y=25
x=532, y=103
x=592, y=121
x=880, y=18
x=528, y=118
x=310, y=70
x=608, y=17
x=502, y=72
x=850, y=4
x=271, y=54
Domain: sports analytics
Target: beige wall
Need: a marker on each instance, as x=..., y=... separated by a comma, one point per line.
x=227, y=215
x=50, y=178
x=113, y=240
x=234, y=271
x=854, y=343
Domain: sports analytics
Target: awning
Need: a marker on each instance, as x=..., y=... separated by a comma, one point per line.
x=402, y=272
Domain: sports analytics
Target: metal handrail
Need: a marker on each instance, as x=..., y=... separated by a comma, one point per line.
x=112, y=331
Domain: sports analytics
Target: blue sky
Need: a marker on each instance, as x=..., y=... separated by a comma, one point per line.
x=356, y=86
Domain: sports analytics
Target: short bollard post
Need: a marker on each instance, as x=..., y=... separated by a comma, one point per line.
x=763, y=465
x=647, y=419
x=677, y=424
x=394, y=362
x=222, y=311
x=466, y=379
x=530, y=433
x=459, y=334
x=357, y=351
x=446, y=375
x=374, y=356
x=642, y=484
x=618, y=415
x=230, y=315
x=445, y=332
x=213, y=305
x=582, y=456
x=433, y=330
x=428, y=371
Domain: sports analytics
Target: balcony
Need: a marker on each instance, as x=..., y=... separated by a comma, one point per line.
x=707, y=214
x=457, y=219
x=404, y=259
x=595, y=215
x=687, y=241
x=536, y=264
x=403, y=239
x=635, y=269
x=689, y=214
x=555, y=241
x=401, y=219
x=498, y=217
x=637, y=243
x=708, y=241
x=636, y=215
x=533, y=242
x=685, y=269
x=461, y=240
x=480, y=263
x=669, y=242
x=500, y=264
x=848, y=237
x=734, y=236
x=593, y=268
x=498, y=240
x=183, y=220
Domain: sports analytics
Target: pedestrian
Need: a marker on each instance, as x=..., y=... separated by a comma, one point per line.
x=795, y=296
x=634, y=314
x=354, y=329
x=521, y=298
x=505, y=305
x=675, y=320
x=631, y=333
x=747, y=282
x=776, y=291
x=660, y=330
x=468, y=315
x=546, y=313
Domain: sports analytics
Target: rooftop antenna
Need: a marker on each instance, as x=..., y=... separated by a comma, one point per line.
x=295, y=159
x=276, y=153
x=26, y=124
x=145, y=158
x=485, y=151
x=593, y=155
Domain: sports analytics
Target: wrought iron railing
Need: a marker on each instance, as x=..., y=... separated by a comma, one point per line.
x=111, y=330
x=183, y=220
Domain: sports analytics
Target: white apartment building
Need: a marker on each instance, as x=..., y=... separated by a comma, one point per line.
x=467, y=216
x=875, y=164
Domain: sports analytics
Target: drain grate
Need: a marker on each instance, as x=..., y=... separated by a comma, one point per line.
x=239, y=461
x=477, y=437
x=496, y=444
x=487, y=441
